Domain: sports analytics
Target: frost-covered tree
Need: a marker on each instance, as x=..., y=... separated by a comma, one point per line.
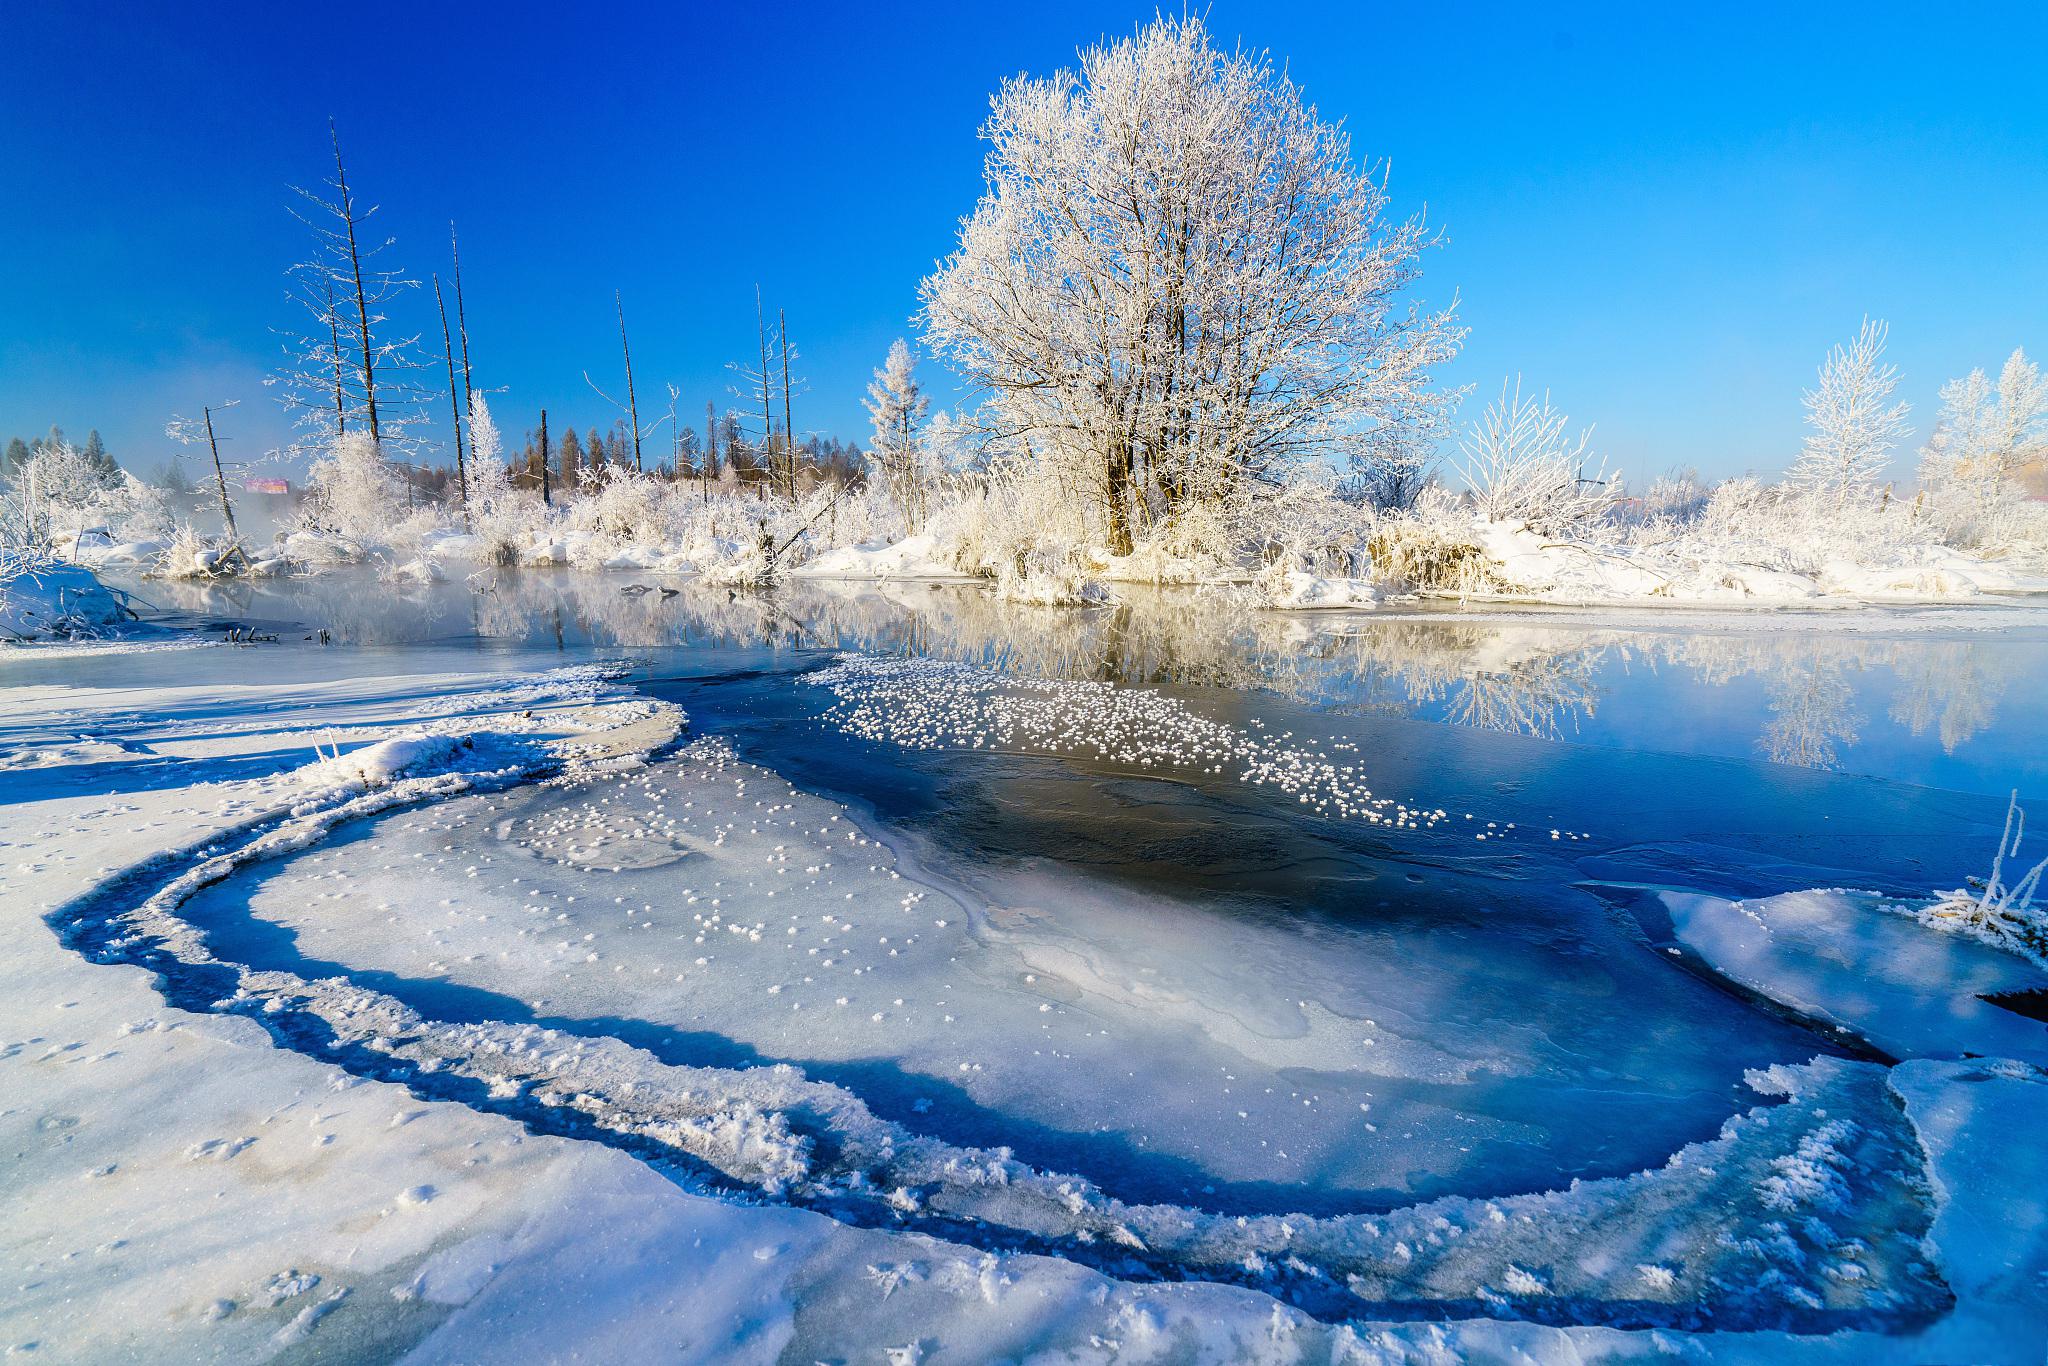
x=500, y=514
x=350, y=368
x=2022, y=412
x=1986, y=436
x=352, y=491
x=1178, y=282
x=896, y=406
x=1988, y=432
x=1855, y=423
x=61, y=492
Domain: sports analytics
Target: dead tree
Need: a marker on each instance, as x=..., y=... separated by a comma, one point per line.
x=349, y=357
x=631, y=407
x=767, y=422
x=187, y=432
x=546, y=494
x=454, y=409
x=788, y=431
x=462, y=327
x=632, y=403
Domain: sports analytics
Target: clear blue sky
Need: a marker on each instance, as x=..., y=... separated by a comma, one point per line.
x=1664, y=214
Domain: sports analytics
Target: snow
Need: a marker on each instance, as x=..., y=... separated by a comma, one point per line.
x=1571, y=571
x=1299, y=591
x=45, y=600
x=913, y=557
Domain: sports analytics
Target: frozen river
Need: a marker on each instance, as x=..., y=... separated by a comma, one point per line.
x=1227, y=913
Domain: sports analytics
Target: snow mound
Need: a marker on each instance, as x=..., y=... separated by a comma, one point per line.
x=914, y=557
x=44, y=601
x=381, y=763
x=1299, y=591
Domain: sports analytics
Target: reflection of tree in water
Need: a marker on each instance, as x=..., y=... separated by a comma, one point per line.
x=1812, y=707
x=1526, y=676
x=1532, y=698
x=1949, y=685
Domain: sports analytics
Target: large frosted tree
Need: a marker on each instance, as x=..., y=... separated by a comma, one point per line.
x=1178, y=282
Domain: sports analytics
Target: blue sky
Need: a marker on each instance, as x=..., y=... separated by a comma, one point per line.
x=1663, y=214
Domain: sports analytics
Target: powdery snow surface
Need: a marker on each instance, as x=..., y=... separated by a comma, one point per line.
x=233, y=1139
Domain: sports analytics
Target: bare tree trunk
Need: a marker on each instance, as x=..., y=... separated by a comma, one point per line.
x=1117, y=473
x=462, y=328
x=355, y=262
x=546, y=494
x=788, y=431
x=334, y=345
x=710, y=450
x=454, y=410
x=767, y=422
x=632, y=403
x=220, y=480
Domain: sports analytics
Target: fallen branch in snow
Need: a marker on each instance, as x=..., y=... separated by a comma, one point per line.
x=1996, y=913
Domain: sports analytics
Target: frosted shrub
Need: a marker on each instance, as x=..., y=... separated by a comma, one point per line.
x=1523, y=467
x=1672, y=503
x=351, y=494
x=1018, y=510
x=1432, y=549
x=1190, y=544
x=1046, y=578
x=621, y=508
x=60, y=496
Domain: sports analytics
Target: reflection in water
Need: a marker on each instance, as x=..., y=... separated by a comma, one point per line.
x=1812, y=707
x=1531, y=676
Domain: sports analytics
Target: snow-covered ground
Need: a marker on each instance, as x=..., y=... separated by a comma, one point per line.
x=445, y=1012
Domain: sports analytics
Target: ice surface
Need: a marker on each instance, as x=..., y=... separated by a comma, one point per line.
x=1868, y=964
x=1889, y=1209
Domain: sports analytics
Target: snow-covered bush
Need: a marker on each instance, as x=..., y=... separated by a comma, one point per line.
x=1432, y=548
x=620, y=507
x=65, y=500
x=1523, y=467
x=352, y=494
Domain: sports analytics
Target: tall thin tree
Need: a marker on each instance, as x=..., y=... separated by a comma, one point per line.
x=462, y=326
x=355, y=261
x=454, y=408
x=546, y=493
x=632, y=403
x=788, y=429
x=767, y=422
